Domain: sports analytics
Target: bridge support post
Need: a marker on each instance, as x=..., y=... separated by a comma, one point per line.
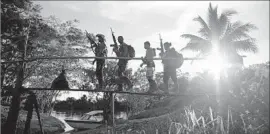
x=112, y=111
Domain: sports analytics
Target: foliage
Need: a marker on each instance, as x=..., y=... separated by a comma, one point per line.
x=69, y=43
x=244, y=97
x=19, y=29
x=231, y=37
x=21, y=26
x=46, y=37
x=84, y=104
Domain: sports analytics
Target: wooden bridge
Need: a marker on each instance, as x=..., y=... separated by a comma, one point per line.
x=110, y=92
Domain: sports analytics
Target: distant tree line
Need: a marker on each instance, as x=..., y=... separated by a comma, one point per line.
x=84, y=104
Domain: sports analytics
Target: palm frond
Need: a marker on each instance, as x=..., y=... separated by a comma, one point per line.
x=236, y=24
x=230, y=28
x=201, y=54
x=203, y=46
x=192, y=37
x=247, y=45
x=240, y=32
x=204, y=30
x=224, y=20
x=213, y=20
x=192, y=46
x=229, y=13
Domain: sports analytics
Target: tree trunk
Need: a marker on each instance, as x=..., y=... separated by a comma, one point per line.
x=29, y=107
x=107, y=109
x=2, y=76
x=10, y=126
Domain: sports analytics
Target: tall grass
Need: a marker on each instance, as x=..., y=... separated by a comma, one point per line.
x=242, y=108
x=194, y=124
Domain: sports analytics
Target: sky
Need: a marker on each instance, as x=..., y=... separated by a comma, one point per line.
x=140, y=21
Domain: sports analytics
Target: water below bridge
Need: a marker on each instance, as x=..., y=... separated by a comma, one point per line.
x=76, y=115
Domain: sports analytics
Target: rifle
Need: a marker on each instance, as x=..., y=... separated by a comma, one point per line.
x=91, y=44
x=115, y=45
x=161, y=46
x=91, y=40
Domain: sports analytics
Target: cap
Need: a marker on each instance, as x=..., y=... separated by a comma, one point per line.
x=167, y=44
x=100, y=35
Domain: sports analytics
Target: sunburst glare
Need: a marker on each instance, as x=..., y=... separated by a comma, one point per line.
x=215, y=64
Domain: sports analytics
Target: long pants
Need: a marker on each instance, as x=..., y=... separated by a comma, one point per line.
x=150, y=78
x=152, y=84
x=99, y=72
x=122, y=64
x=169, y=73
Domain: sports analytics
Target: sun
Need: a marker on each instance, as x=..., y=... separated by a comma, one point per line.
x=214, y=63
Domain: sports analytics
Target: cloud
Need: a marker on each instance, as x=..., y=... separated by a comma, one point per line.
x=73, y=7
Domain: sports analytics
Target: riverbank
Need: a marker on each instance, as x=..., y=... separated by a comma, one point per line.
x=50, y=124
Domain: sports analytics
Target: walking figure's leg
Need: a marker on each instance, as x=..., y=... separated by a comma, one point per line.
x=99, y=76
x=152, y=85
x=166, y=80
x=119, y=82
x=150, y=78
x=125, y=80
x=174, y=79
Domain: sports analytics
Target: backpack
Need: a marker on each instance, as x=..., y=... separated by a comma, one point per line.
x=131, y=51
x=180, y=59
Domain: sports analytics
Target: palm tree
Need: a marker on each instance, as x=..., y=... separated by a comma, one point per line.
x=230, y=38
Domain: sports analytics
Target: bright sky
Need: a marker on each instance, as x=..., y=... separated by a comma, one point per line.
x=140, y=21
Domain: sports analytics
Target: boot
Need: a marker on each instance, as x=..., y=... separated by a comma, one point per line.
x=166, y=90
x=126, y=81
x=151, y=90
x=176, y=89
x=152, y=86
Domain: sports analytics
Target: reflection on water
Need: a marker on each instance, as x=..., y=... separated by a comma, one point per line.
x=62, y=115
x=67, y=115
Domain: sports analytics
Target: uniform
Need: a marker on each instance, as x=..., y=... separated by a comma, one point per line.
x=100, y=51
x=122, y=65
x=169, y=69
x=150, y=69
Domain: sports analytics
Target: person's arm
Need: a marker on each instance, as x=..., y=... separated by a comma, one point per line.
x=116, y=51
x=163, y=56
x=144, y=59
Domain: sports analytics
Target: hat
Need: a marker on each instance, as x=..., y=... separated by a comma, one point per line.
x=100, y=36
x=167, y=44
